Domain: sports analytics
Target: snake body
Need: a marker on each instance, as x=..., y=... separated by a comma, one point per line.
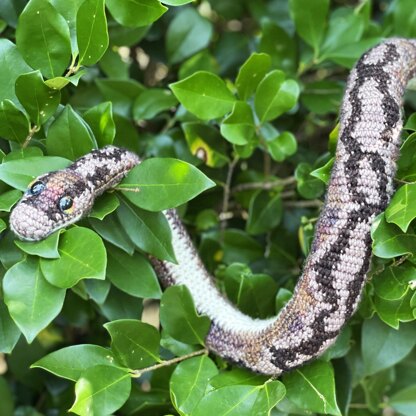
x=334, y=273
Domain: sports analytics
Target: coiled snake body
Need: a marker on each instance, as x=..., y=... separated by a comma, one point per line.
x=334, y=273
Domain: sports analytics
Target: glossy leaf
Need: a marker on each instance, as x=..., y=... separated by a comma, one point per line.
x=68, y=136
x=251, y=74
x=20, y=172
x=152, y=102
x=275, y=96
x=82, y=256
x=9, y=199
x=149, y=231
x=100, y=119
x=189, y=382
x=163, y=183
x=43, y=38
x=187, y=33
x=383, y=346
x=135, y=13
x=101, y=390
x=47, y=248
x=313, y=388
x=9, y=332
x=132, y=274
x=134, y=343
x=238, y=127
x=70, y=362
x=92, y=33
x=241, y=400
x=14, y=124
x=282, y=146
x=401, y=210
x=204, y=94
x=39, y=100
x=179, y=317
x=32, y=301
x=310, y=20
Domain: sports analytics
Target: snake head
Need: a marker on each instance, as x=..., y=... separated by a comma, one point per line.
x=51, y=202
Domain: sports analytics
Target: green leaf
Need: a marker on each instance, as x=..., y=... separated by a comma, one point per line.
x=179, y=317
x=404, y=401
x=205, y=143
x=69, y=9
x=308, y=186
x=251, y=73
x=322, y=97
x=393, y=282
x=92, y=33
x=204, y=94
x=47, y=248
x=12, y=66
x=187, y=34
x=282, y=146
x=265, y=212
x=42, y=37
x=68, y=136
x=9, y=199
x=9, y=332
x=82, y=256
x=402, y=210
x=238, y=127
x=20, y=172
x=14, y=124
x=100, y=119
x=404, y=18
x=101, y=390
x=120, y=305
x=134, y=343
x=149, y=231
x=135, y=13
x=164, y=183
x=310, y=20
x=389, y=241
x=104, y=205
x=324, y=173
x=37, y=98
x=383, y=346
x=253, y=294
x=313, y=388
x=111, y=230
x=71, y=362
x=394, y=312
x=132, y=274
x=189, y=382
x=33, y=302
x=152, y=102
x=240, y=400
x=275, y=95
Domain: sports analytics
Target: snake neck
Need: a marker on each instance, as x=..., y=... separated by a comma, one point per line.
x=102, y=169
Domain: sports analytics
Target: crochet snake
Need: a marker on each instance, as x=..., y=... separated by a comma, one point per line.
x=334, y=273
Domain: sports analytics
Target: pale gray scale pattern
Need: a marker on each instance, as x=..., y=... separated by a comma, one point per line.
x=334, y=273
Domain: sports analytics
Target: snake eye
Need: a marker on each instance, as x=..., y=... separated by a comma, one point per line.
x=37, y=188
x=65, y=204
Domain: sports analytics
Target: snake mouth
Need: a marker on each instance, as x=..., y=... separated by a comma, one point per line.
x=30, y=223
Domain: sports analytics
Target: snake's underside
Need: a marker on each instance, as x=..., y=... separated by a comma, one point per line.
x=334, y=273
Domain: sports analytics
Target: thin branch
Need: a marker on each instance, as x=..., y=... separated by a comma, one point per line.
x=227, y=190
x=267, y=186
x=32, y=131
x=139, y=373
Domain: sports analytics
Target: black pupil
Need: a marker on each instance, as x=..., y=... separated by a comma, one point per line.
x=37, y=188
x=65, y=203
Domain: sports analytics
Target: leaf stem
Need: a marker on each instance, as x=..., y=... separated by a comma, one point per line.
x=267, y=186
x=227, y=190
x=139, y=373
x=32, y=131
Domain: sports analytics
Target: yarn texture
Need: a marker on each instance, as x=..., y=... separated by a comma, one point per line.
x=334, y=274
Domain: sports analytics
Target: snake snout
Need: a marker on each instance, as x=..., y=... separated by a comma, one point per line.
x=30, y=223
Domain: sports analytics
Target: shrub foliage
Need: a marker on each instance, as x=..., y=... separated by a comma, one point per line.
x=234, y=105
